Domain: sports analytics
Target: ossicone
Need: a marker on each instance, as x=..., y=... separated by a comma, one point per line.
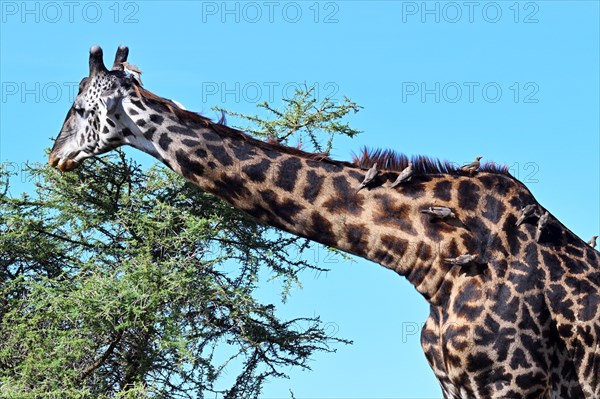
x=96, y=61
x=120, y=56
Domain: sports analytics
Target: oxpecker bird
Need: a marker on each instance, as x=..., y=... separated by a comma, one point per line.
x=371, y=173
x=592, y=242
x=439, y=211
x=133, y=71
x=526, y=212
x=461, y=260
x=404, y=176
x=472, y=167
x=542, y=222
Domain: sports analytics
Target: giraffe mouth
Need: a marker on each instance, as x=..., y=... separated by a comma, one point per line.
x=64, y=165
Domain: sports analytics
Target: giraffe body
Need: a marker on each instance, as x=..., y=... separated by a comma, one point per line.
x=520, y=320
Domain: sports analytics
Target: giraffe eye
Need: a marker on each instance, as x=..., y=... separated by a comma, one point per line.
x=80, y=111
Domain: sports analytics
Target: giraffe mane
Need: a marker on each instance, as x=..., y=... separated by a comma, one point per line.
x=394, y=161
x=386, y=159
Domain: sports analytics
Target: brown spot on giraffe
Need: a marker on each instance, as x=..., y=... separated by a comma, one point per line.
x=390, y=213
x=288, y=173
x=257, y=172
x=344, y=199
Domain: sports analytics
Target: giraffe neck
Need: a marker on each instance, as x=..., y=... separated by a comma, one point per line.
x=310, y=198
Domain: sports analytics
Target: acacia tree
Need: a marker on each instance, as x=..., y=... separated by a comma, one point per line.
x=123, y=282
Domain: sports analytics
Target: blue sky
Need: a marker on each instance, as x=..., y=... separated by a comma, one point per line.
x=516, y=82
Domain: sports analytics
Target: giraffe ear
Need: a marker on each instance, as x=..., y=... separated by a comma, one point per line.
x=96, y=62
x=120, y=56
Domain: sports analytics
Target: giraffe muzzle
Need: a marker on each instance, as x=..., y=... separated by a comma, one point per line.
x=64, y=165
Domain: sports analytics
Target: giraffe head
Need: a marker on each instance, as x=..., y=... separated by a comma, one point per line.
x=95, y=124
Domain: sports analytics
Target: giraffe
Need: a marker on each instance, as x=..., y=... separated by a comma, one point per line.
x=522, y=320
